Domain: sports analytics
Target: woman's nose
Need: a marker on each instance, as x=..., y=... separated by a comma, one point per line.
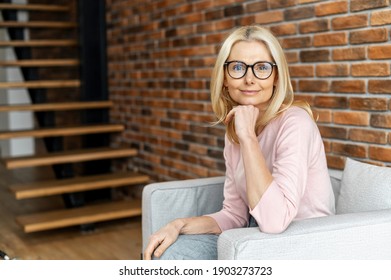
x=249, y=77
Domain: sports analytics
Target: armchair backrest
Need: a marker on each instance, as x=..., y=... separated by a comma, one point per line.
x=335, y=177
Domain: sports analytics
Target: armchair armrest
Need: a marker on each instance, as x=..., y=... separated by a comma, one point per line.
x=364, y=235
x=166, y=201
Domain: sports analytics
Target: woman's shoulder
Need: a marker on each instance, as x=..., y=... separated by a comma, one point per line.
x=295, y=115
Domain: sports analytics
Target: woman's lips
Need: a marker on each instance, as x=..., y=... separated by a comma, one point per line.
x=249, y=92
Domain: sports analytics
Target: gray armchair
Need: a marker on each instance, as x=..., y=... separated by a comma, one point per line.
x=364, y=235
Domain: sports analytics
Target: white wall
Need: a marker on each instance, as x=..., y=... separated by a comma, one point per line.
x=14, y=120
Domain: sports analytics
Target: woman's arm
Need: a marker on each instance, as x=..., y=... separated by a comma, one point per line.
x=166, y=236
x=258, y=176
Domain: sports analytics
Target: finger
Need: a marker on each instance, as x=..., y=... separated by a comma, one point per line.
x=151, y=247
x=230, y=116
x=162, y=248
x=148, y=253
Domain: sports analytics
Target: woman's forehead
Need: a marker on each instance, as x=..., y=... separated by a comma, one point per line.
x=250, y=51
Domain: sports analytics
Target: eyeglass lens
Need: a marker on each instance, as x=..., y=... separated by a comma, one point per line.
x=237, y=69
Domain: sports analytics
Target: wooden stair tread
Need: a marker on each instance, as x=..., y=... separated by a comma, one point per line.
x=78, y=184
x=67, y=157
x=40, y=63
x=34, y=7
x=38, y=43
x=57, y=106
x=78, y=216
x=41, y=84
x=37, y=24
x=62, y=131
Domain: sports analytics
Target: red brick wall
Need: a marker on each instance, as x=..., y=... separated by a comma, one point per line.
x=161, y=54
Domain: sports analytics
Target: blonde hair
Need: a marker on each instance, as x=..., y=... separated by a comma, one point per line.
x=283, y=96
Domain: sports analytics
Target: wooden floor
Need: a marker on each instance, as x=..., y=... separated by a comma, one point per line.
x=114, y=240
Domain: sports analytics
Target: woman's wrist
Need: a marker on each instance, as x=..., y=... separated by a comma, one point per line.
x=248, y=140
x=179, y=224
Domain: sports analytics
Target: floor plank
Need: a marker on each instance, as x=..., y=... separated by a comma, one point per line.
x=113, y=240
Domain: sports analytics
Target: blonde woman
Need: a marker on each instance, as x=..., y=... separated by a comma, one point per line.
x=276, y=169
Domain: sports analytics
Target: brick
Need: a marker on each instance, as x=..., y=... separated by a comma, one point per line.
x=379, y=52
x=299, y=13
x=307, y=1
x=333, y=132
x=314, y=26
x=381, y=18
x=202, y=5
x=371, y=70
x=380, y=153
x=215, y=38
x=368, y=104
x=355, y=53
x=381, y=120
x=224, y=24
x=327, y=146
x=233, y=10
x=214, y=14
x=331, y=102
x=294, y=85
x=368, y=135
x=335, y=7
x=178, y=10
x=350, y=150
x=315, y=56
x=322, y=116
x=301, y=71
x=369, y=36
x=330, y=39
x=356, y=86
x=284, y=29
x=335, y=162
x=379, y=86
x=351, y=118
x=292, y=57
x=332, y=70
x=314, y=86
x=296, y=42
x=349, y=22
x=305, y=97
x=206, y=28
x=257, y=6
x=269, y=17
x=360, y=5
x=276, y=4
x=246, y=20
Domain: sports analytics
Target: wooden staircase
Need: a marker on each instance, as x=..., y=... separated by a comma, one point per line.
x=76, y=182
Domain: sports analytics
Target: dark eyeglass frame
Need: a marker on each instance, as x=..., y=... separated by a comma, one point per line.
x=226, y=64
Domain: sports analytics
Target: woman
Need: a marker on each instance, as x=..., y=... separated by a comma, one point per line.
x=276, y=169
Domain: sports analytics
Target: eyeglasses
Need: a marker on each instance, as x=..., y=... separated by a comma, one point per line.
x=261, y=69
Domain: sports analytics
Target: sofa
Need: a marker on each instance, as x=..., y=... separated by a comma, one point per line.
x=361, y=228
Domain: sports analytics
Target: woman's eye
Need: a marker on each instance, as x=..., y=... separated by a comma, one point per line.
x=238, y=67
x=261, y=67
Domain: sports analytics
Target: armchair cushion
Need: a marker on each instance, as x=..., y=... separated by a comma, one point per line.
x=364, y=187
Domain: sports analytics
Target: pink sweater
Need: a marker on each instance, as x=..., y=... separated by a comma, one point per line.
x=301, y=189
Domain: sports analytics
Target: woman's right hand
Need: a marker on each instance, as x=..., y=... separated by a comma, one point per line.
x=162, y=239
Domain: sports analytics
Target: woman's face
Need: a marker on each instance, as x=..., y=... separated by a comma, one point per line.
x=249, y=90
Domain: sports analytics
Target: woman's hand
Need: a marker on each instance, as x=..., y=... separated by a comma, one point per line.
x=162, y=239
x=246, y=117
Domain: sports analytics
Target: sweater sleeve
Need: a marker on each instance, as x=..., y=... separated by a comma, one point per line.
x=235, y=212
x=280, y=203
